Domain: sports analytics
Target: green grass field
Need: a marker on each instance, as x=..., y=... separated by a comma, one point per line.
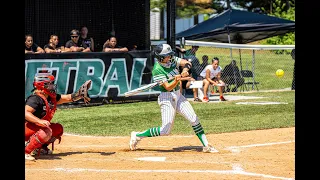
x=121, y=119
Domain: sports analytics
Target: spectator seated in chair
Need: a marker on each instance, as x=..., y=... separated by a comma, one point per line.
x=185, y=84
x=231, y=76
x=190, y=55
x=211, y=76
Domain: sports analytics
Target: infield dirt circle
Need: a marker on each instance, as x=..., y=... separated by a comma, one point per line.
x=249, y=155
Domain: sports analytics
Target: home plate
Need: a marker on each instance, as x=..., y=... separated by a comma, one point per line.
x=151, y=159
x=261, y=103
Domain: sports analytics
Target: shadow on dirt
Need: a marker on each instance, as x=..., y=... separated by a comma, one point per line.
x=176, y=149
x=59, y=155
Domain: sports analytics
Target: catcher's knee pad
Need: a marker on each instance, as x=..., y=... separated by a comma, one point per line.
x=36, y=140
x=57, y=129
x=44, y=134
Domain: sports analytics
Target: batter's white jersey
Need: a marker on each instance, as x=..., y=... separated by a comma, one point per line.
x=172, y=102
x=213, y=72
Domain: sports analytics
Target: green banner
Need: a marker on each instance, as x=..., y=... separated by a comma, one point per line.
x=119, y=72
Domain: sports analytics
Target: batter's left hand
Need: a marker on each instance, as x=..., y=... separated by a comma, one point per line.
x=177, y=77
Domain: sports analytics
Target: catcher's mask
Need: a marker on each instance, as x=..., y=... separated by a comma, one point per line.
x=45, y=82
x=162, y=51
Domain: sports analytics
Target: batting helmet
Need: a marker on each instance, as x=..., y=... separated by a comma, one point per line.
x=161, y=51
x=45, y=82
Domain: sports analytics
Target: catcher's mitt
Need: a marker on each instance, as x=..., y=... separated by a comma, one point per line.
x=82, y=93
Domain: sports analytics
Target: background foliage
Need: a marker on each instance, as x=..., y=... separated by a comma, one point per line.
x=279, y=8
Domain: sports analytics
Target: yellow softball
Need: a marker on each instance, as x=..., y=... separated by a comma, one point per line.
x=279, y=72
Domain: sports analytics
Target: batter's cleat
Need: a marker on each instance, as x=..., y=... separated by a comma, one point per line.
x=29, y=157
x=134, y=141
x=209, y=149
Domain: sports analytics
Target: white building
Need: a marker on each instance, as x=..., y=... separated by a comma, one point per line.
x=181, y=24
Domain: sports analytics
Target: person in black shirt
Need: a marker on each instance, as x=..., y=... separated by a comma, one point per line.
x=186, y=82
x=231, y=75
x=111, y=46
x=30, y=46
x=75, y=45
x=53, y=45
x=84, y=38
x=40, y=108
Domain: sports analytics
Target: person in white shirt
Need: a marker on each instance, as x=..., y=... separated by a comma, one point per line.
x=211, y=75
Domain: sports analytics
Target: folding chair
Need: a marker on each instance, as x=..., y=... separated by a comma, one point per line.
x=248, y=80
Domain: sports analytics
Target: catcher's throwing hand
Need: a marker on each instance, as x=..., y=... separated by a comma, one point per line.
x=82, y=92
x=43, y=123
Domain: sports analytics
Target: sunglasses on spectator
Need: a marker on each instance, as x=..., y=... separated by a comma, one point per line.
x=74, y=36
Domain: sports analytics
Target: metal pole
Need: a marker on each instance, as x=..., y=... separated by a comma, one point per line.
x=240, y=60
x=168, y=21
x=253, y=57
x=234, y=74
x=230, y=43
x=172, y=20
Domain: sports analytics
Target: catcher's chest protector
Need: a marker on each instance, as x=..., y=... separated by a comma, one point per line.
x=49, y=109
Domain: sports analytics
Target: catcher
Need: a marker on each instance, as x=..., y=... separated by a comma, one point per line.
x=39, y=110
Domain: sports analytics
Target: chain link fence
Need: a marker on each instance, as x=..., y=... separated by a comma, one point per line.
x=261, y=60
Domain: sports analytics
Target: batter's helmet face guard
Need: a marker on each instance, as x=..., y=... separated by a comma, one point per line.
x=162, y=51
x=45, y=82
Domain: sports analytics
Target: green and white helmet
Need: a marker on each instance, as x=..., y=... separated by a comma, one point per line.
x=161, y=51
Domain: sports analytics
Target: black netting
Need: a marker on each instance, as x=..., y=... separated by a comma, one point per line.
x=129, y=20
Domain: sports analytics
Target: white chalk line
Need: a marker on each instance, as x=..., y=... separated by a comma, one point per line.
x=236, y=168
x=232, y=172
x=99, y=159
x=237, y=148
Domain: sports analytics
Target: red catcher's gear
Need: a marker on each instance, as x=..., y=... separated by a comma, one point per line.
x=45, y=82
x=49, y=110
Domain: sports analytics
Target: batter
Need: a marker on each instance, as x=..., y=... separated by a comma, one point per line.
x=170, y=99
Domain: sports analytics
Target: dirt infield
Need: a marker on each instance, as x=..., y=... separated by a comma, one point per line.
x=261, y=154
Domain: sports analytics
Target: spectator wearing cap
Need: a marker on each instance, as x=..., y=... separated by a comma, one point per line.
x=111, y=46
x=30, y=46
x=74, y=44
x=190, y=55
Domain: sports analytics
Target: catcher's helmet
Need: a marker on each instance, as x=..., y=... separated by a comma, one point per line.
x=45, y=82
x=161, y=51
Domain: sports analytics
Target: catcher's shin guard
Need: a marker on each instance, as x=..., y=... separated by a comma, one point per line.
x=57, y=131
x=35, y=141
